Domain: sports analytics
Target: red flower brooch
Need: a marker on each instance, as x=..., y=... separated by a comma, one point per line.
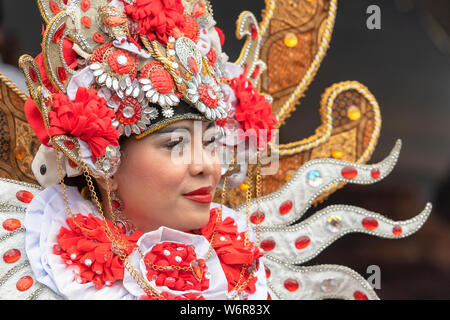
x=157, y=19
x=253, y=111
x=87, y=118
x=86, y=248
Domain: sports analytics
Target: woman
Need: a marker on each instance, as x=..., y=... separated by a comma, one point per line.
x=134, y=124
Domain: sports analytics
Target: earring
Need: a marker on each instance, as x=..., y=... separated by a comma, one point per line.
x=119, y=218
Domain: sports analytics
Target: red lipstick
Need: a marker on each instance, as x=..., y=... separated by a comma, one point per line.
x=202, y=195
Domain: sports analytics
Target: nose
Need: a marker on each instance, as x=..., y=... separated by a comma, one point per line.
x=203, y=158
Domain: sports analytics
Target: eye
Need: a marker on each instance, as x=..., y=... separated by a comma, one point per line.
x=213, y=139
x=172, y=144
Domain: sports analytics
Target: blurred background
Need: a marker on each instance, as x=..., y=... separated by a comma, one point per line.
x=406, y=65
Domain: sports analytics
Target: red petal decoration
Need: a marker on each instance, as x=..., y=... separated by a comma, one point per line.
x=286, y=207
x=24, y=196
x=291, y=285
x=69, y=144
x=257, y=217
x=254, y=31
x=54, y=7
x=370, y=223
x=85, y=5
x=267, y=272
x=24, y=283
x=208, y=95
x=11, y=224
x=11, y=256
x=192, y=65
x=98, y=37
x=162, y=81
x=190, y=29
x=72, y=164
x=255, y=72
x=199, y=10
x=86, y=21
x=302, y=242
x=349, y=172
x=268, y=244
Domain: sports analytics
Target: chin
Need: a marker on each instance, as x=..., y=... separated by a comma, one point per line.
x=196, y=221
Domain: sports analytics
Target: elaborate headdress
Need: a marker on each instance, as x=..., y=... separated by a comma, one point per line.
x=120, y=68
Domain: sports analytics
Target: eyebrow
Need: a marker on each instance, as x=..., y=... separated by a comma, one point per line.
x=169, y=129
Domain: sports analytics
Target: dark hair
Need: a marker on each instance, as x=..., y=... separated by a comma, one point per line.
x=1, y=14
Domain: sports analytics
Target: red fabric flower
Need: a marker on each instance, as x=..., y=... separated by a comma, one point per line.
x=175, y=254
x=252, y=109
x=170, y=296
x=87, y=118
x=230, y=247
x=88, y=250
x=157, y=19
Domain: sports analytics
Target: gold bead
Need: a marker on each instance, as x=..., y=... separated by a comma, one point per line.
x=290, y=40
x=337, y=154
x=243, y=186
x=353, y=113
x=20, y=153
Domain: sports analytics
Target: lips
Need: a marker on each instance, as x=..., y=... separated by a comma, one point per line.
x=202, y=195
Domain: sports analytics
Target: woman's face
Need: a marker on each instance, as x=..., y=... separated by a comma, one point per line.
x=157, y=171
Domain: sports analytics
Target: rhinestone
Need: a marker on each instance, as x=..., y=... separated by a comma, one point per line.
x=349, y=172
x=73, y=256
x=291, y=285
x=370, y=223
x=337, y=154
x=353, y=113
x=88, y=262
x=314, y=178
x=358, y=295
x=108, y=283
x=106, y=166
x=222, y=238
x=290, y=40
x=397, y=231
x=24, y=283
x=166, y=252
x=178, y=259
x=328, y=285
x=180, y=249
x=11, y=256
x=11, y=224
x=334, y=223
x=286, y=207
x=302, y=242
x=122, y=59
x=268, y=244
x=174, y=65
x=128, y=112
x=375, y=173
x=24, y=196
x=207, y=275
x=257, y=217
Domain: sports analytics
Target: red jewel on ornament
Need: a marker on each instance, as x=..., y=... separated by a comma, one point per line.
x=24, y=196
x=69, y=144
x=86, y=21
x=59, y=34
x=24, y=283
x=54, y=7
x=302, y=242
x=268, y=244
x=370, y=223
x=11, y=224
x=358, y=295
x=286, y=207
x=120, y=61
x=254, y=31
x=267, y=272
x=33, y=74
x=255, y=72
x=375, y=173
x=11, y=256
x=72, y=164
x=397, y=231
x=208, y=95
x=349, y=172
x=291, y=285
x=161, y=80
x=199, y=10
x=62, y=74
x=257, y=217
x=85, y=5
x=98, y=37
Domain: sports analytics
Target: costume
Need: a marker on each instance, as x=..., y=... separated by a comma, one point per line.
x=119, y=68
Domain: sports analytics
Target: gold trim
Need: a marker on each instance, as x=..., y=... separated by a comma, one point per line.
x=289, y=104
x=11, y=85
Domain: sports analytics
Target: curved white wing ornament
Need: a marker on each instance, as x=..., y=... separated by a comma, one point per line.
x=288, y=243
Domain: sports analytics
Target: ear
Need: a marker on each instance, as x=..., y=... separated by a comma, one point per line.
x=113, y=184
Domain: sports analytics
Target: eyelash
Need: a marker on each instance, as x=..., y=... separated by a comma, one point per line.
x=172, y=144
